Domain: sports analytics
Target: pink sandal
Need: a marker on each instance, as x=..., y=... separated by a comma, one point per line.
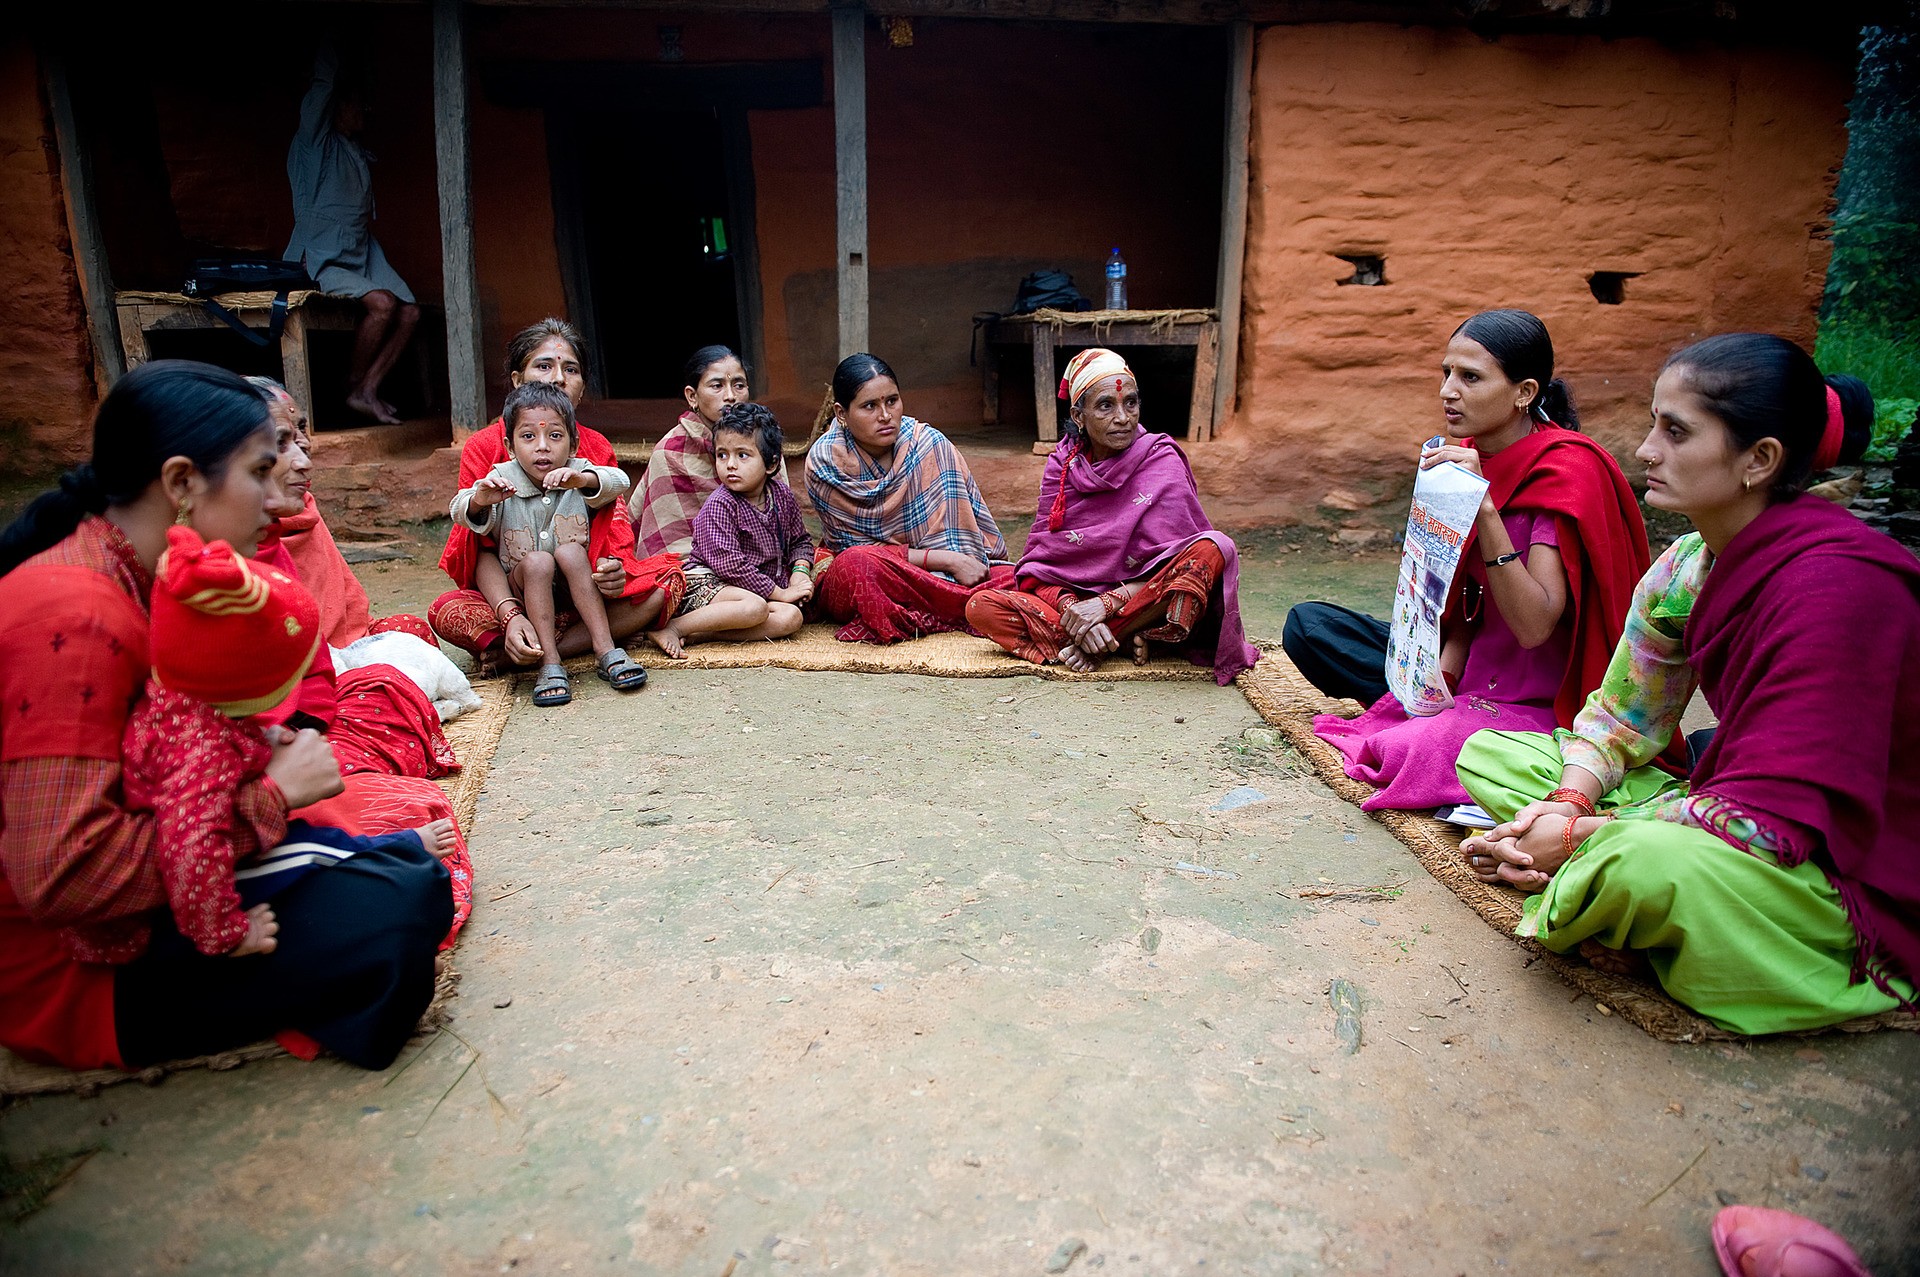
x=1753, y=1241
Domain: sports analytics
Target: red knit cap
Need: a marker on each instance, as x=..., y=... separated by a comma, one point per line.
x=236, y=634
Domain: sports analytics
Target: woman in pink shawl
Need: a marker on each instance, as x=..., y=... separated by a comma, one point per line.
x=1121, y=554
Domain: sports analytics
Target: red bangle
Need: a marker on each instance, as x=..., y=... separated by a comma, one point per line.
x=1574, y=798
x=1570, y=844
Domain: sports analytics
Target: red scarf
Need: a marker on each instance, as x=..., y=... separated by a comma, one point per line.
x=609, y=536
x=1806, y=638
x=1603, y=544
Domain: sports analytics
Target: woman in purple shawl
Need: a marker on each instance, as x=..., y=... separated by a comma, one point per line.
x=1778, y=888
x=1121, y=552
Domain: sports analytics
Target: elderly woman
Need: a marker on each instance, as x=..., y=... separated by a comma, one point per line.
x=680, y=474
x=1779, y=887
x=299, y=530
x=1121, y=554
x=187, y=443
x=481, y=616
x=910, y=534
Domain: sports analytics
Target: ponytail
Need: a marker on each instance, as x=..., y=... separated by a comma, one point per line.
x=52, y=517
x=1555, y=403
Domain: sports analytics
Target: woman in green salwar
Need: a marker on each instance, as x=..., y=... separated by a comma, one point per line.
x=1779, y=887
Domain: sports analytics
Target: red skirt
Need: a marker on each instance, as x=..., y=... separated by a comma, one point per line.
x=1026, y=621
x=880, y=598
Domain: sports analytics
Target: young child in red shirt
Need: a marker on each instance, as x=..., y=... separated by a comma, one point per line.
x=229, y=638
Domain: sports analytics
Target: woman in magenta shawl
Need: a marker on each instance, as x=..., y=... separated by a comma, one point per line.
x=1778, y=887
x=1121, y=554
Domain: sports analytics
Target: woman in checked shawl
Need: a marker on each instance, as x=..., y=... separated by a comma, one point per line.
x=911, y=536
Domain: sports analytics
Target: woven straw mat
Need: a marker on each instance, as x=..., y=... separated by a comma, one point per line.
x=1280, y=694
x=474, y=736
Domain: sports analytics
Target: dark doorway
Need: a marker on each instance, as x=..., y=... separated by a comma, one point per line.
x=653, y=202
x=659, y=245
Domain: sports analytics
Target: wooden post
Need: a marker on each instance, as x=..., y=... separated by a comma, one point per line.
x=1046, y=387
x=83, y=226
x=467, y=388
x=1233, y=220
x=850, y=167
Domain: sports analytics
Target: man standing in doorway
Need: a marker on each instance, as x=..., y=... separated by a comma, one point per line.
x=333, y=215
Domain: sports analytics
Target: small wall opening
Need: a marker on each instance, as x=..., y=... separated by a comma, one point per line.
x=1609, y=287
x=1370, y=272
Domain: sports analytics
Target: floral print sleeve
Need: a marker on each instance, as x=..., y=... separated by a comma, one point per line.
x=1635, y=711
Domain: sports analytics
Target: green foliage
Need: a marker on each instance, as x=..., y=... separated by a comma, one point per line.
x=1872, y=305
x=1890, y=365
x=1892, y=421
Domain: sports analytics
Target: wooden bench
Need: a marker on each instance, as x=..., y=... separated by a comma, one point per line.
x=1047, y=330
x=140, y=313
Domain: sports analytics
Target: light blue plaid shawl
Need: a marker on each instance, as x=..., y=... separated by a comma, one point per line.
x=925, y=499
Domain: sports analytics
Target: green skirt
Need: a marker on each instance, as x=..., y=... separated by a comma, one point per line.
x=1751, y=944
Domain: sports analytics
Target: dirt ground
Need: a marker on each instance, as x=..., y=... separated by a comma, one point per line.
x=781, y=972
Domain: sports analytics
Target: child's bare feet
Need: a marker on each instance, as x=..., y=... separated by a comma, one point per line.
x=667, y=639
x=261, y=930
x=1626, y=962
x=437, y=837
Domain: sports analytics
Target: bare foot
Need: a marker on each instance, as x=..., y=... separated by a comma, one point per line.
x=367, y=406
x=667, y=639
x=1076, y=660
x=437, y=837
x=1140, y=655
x=391, y=410
x=261, y=930
x=1626, y=962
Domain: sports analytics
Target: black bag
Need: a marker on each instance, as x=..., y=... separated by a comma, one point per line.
x=1048, y=288
x=212, y=276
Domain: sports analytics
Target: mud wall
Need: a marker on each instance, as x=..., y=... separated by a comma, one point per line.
x=45, y=357
x=1504, y=174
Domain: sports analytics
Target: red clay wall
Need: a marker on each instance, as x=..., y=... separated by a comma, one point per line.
x=1486, y=173
x=45, y=356
x=1503, y=174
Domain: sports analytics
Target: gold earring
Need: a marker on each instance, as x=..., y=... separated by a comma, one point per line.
x=1746, y=482
x=185, y=512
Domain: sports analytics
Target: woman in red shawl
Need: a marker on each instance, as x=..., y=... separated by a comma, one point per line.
x=1779, y=887
x=1543, y=588
x=1120, y=554
x=638, y=591
x=354, y=966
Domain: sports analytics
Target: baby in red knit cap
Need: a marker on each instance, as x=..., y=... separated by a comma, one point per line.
x=229, y=638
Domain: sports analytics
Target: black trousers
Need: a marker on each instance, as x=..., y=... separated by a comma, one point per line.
x=1342, y=652
x=353, y=969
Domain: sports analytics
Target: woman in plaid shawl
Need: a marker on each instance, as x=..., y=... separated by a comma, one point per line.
x=911, y=537
x=680, y=475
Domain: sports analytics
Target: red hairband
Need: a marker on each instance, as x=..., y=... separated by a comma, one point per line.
x=1827, y=455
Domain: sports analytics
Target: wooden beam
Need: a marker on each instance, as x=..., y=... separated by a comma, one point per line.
x=468, y=389
x=850, y=168
x=1233, y=220
x=83, y=226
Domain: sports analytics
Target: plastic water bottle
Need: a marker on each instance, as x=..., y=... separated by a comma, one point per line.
x=1116, y=280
